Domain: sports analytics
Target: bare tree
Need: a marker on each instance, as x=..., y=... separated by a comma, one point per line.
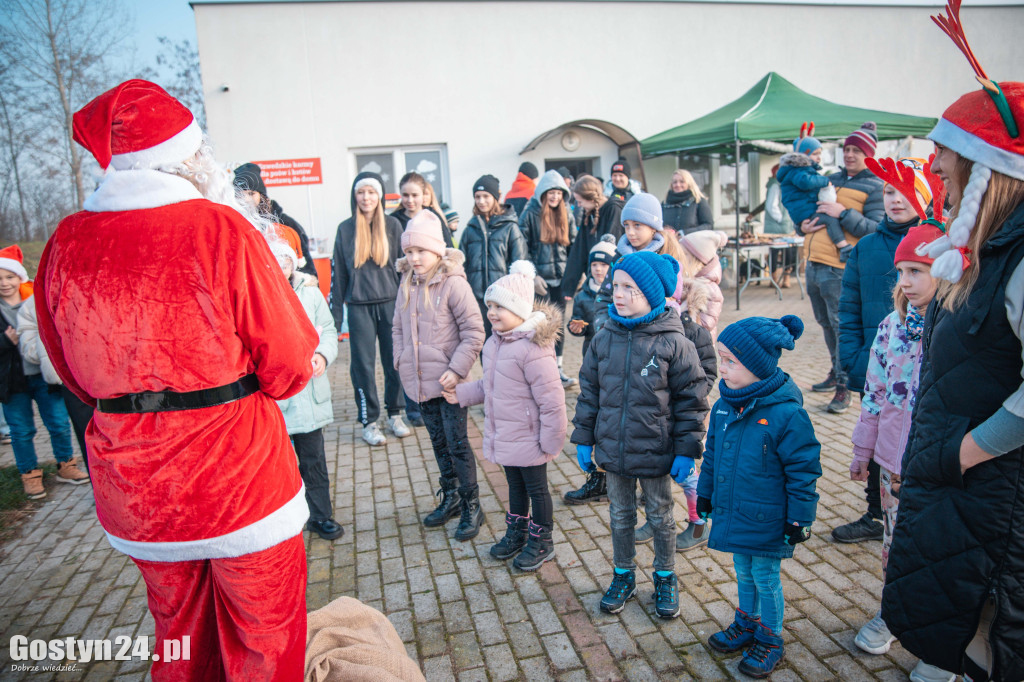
x=63, y=51
x=185, y=81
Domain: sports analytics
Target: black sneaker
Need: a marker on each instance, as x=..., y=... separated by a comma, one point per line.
x=596, y=488
x=864, y=528
x=328, y=529
x=622, y=588
x=829, y=384
x=666, y=596
x=840, y=401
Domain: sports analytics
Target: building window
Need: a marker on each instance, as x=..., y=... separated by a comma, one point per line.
x=430, y=161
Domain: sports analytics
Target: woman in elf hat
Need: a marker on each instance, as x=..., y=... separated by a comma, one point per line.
x=22, y=382
x=953, y=593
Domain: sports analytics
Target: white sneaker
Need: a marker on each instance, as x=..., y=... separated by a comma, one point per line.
x=398, y=427
x=923, y=672
x=874, y=637
x=372, y=435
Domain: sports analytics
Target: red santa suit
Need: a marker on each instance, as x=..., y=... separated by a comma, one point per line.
x=153, y=288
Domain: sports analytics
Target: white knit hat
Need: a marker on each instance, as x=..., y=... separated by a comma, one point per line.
x=514, y=291
x=281, y=250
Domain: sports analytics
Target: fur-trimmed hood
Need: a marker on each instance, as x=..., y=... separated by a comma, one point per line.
x=796, y=159
x=696, y=294
x=302, y=279
x=451, y=265
x=543, y=327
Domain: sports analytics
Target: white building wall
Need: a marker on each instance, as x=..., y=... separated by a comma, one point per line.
x=484, y=78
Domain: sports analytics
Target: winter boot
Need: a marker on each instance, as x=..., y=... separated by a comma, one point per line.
x=68, y=472
x=695, y=535
x=596, y=488
x=449, y=506
x=33, y=484
x=515, y=537
x=738, y=635
x=666, y=595
x=766, y=653
x=539, y=548
x=622, y=588
x=472, y=514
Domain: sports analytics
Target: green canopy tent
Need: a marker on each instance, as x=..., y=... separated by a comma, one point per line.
x=772, y=111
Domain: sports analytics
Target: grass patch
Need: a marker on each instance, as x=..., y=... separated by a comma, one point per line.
x=14, y=506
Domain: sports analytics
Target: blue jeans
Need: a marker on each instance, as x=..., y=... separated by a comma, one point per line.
x=760, y=589
x=18, y=412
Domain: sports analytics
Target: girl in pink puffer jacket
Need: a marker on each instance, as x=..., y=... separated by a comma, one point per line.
x=524, y=410
x=437, y=334
x=700, y=250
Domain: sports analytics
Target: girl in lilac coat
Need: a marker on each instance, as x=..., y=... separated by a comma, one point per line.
x=437, y=334
x=890, y=387
x=524, y=410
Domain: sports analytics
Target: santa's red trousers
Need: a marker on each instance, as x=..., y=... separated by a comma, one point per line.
x=246, y=616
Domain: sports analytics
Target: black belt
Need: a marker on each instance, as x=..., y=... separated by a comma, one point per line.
x=169, y=401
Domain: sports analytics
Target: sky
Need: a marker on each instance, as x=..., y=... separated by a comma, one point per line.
x=154, y=18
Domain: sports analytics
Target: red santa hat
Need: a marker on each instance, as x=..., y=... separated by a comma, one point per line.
x=984, y=126
x=137, y=125
x=11, y=259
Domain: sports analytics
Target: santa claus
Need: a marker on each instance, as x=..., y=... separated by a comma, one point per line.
x=166, y=310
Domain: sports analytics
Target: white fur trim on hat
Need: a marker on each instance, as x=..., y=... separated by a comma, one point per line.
x=949, y=261
x=175, y=149
x=15, y=267
x=372, y=182
x=972, y=147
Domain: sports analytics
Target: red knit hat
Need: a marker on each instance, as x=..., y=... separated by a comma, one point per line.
x=984, y=127
x=11, y=259
x=137, y=125
x=864, y=138
x=916, y=236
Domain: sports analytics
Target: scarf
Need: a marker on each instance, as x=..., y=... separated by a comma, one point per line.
x=914, y=323
x=634, y=322
x=738, y=398
x=674, y=198
x=625, y=248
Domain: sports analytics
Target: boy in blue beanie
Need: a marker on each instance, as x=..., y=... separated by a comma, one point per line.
x=761, y=464
x=800, y=182
x=641, y=417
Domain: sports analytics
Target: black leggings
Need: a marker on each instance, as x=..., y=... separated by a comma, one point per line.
x=81, y=415
x=529, y=485
x=309, y=447
x=369, y=326
x=446, y=426
x=556, y=299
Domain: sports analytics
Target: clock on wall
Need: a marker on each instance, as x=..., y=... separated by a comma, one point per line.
x=571, y=141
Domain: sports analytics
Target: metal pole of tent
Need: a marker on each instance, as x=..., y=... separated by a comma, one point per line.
x=736, y=203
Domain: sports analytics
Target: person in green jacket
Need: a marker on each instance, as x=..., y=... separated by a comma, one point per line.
x=308, y=412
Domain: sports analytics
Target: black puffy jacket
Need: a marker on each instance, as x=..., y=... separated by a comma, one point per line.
x=12, y=373
x=608, y=221
x=491, y=250
x=959, y=543
x=647, y=402
x=549, y=259
x=684, y=215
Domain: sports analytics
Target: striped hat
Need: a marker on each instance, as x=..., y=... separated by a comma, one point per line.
x=865, y=138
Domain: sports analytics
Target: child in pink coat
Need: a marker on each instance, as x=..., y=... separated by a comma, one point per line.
x=437, y=334
x=890, y=389
x=524, y=409
x=700, y=250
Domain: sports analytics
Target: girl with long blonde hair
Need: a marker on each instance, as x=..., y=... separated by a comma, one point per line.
x=364, y=281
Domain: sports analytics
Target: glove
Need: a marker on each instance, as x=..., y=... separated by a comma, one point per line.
x=794, y=534
x=584, y=453
x=540, y=287
x=703, y=507
x=682, y=467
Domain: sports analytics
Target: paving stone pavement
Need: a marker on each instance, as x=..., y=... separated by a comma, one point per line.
x=463, y=615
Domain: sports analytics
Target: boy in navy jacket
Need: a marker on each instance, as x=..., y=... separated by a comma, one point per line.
x=761, y=465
